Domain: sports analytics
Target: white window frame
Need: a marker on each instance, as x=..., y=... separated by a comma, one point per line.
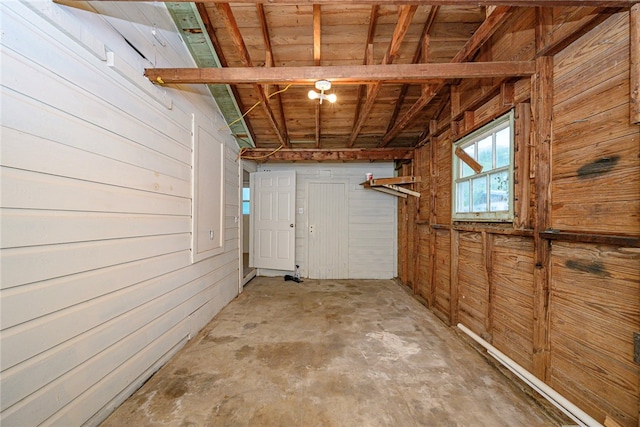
x=491, y=128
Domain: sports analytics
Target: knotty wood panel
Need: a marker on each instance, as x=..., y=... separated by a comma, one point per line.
x=423, y=287
x=515, y=40
x=596, y=171
x=595, y=309
x=473, y=283
x=442, y=273
x=443, y=180
x=513, y=298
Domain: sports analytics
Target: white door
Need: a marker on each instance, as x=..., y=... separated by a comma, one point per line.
x=272, y=237
x=328, y=235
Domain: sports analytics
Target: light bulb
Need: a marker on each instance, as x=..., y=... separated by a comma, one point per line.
x=313, y=94
x=332, y=98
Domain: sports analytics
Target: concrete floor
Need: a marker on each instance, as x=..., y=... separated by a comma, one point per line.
x=327, y=353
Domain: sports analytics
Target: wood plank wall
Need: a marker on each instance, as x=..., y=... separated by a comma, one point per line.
x=563, y=304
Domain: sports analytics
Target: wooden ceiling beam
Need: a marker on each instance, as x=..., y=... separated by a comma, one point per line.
x=328, y=155
x=351, y=74
x=317, y=33
x=405, y=14
x=477, y=40
x=229, y=21
x=368, y=57
x=517, y=3
x=211, y=32
x=317, y=45
x=270, y=63
x=419, y=54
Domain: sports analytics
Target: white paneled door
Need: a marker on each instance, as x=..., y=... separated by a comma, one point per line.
x=328, y=234
x=272, y=237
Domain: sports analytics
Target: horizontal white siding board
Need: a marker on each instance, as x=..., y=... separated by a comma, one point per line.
x=57, y=58
x=120, y=383
x=24, y=303
x=46, y=122
x=98, y=286
x=39, y=371
x=37, y=83
x=45, y=402
x=40, y=227
x=30, y=190
x=32, y=264
x=22, y=151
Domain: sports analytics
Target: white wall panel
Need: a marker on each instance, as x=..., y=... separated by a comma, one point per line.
x=371, y=224
x=98, y=288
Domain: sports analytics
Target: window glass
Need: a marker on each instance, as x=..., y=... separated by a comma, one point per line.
x=486, y=195
x=246, y=201
x=503, y=147
x=485, y=152
x=479, y=193
x=499, y=191
x=463, y=196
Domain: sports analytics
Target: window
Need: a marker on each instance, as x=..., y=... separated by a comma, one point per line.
x=245, y=201
x=482, y=173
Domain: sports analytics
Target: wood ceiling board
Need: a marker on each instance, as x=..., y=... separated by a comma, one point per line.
x=343, y=42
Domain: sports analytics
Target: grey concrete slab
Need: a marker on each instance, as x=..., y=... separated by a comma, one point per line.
x=328, y=353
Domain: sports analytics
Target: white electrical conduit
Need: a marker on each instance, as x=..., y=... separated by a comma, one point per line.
x=571, y=410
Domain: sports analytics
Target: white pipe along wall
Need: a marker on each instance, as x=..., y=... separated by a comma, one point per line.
x=560, y=402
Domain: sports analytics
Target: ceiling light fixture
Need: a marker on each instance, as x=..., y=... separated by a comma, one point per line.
x=322, y=86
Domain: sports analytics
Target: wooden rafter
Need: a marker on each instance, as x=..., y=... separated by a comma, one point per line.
x=518, y=3
x=405, y=14
x=477, y=40
x=316, y=155
x=350, y=74
x=317, y=44
x=204, y=16
x=368, y=57
x=269, y=63
x=317, y=33
x=234, y=31
x=419, y=53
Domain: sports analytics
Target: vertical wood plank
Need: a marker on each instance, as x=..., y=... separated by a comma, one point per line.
x=455, y=100
x=433, y=183
x=634, y=40
x=453, y=289
x=542, y=97
x=417, y=167
x=487, y=249
x=522, y=160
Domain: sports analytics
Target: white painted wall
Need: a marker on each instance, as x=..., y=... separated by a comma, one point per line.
x=97, y=285
x=371, y=220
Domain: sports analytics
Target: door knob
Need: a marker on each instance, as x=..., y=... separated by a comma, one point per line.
x=291, y=225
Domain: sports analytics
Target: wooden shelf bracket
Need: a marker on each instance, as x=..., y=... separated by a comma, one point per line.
x=392, y=185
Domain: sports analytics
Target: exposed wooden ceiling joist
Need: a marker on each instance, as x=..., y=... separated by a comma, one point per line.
x=320, y=155
x=421, y=52
x=348, y=74
x=493, y=22
x=519, y=3
x=208, y=27
x=368, y=57
x=405, y=14
x=224, y=9
x=270, y=63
